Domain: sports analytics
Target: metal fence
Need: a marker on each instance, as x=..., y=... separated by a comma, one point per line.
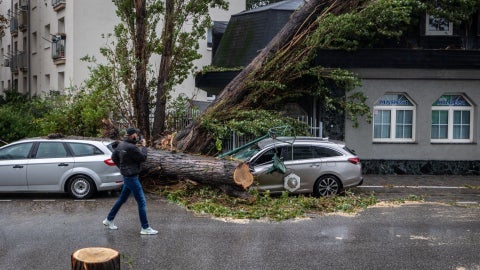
x=175, y=122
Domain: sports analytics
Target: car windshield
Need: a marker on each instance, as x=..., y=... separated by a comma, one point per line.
x=246, y=153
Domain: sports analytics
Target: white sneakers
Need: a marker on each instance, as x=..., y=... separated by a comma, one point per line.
x=111, y=226
x=148, y=230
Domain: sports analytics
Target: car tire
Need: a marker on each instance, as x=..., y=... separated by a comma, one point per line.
x=81, y=187
x=327, y=185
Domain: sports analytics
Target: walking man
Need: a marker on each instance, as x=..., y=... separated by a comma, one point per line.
x=128, y=158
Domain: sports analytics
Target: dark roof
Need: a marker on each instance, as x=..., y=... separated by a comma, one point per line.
x=248, y=32
x=219, y=27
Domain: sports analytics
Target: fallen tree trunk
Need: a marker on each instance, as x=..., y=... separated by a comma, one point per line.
x=194, y=138
x=272, y=64
x=163, y=167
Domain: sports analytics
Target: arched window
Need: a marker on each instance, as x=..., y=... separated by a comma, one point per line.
x=394, y=119
x=452, y=119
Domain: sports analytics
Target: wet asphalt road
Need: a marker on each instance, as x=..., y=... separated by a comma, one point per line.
x=41, y=232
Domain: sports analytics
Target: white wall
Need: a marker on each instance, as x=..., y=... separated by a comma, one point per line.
x=424, y=87
x=188, y=86
x=85, y=21
x=5, y=41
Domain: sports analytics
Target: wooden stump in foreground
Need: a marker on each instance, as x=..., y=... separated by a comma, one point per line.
x=96, y=258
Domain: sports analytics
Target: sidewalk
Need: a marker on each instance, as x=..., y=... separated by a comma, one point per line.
x=458, y=189
x=444, y=181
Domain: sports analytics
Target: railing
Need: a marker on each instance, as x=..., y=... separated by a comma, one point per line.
x=18, y=61
x=14, y=63
x=22, y=61
x=14, y=25
x=58, y=47
x=22, y=20
x=315, y=128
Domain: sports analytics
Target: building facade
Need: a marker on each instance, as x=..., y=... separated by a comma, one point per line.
x=424, y=121
x=42, y=48
x=423, y=91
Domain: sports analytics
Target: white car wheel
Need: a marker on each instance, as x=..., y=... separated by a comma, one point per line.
x=81, y=187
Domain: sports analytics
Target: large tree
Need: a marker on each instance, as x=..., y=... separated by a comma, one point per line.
x=139, y=22
x=283, y=64
x=128, y=77
x=179, y=48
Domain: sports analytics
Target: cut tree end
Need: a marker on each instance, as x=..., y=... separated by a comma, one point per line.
x=242, y=175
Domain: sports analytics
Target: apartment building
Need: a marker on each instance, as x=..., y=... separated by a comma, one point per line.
x=42, y=48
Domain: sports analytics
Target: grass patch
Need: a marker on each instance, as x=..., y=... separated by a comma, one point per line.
x=206, y=200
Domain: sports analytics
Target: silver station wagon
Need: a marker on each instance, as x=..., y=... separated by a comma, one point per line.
x=79, y=167
x=302, y=165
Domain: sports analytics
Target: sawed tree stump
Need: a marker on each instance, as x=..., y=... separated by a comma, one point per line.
x=96, y=258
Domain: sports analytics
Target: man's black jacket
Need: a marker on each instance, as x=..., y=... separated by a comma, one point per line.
x=128, y=157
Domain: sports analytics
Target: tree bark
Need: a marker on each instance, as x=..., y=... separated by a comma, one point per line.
x=141, y=98
x=95, y=258
x=161, y=167
x=165, y=70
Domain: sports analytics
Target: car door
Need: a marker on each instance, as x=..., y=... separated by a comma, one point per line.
x=266, y=177
x=301, y=162
x=13, y=166
x=49, y=167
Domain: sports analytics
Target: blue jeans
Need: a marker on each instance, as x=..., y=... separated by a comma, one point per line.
x=131, y=184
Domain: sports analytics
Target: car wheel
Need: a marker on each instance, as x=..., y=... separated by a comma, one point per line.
x=81, y=187
x=327, y=185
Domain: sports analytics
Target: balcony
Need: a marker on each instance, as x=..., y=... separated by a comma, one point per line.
x=58, y=5
x=22, y=61
x=58, y=48
x=22, y=20
x=14, y=64
x=18, y=61
x=14, y=26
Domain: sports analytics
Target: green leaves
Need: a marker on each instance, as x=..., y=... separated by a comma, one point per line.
x=210, y=201
x=377, y=23
x=456, y=11
x=252, y=123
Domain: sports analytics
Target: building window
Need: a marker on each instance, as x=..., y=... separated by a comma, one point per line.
x=61, y=81
x=209, y=38
x=452, y=119
x=46, y=33
x=438, y=26
x=34, y=43
x=61, y=25
x=394, y=119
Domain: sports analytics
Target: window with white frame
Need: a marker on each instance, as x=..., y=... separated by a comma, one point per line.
x=394, y=119
x=438, y=26
x=452, y=119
